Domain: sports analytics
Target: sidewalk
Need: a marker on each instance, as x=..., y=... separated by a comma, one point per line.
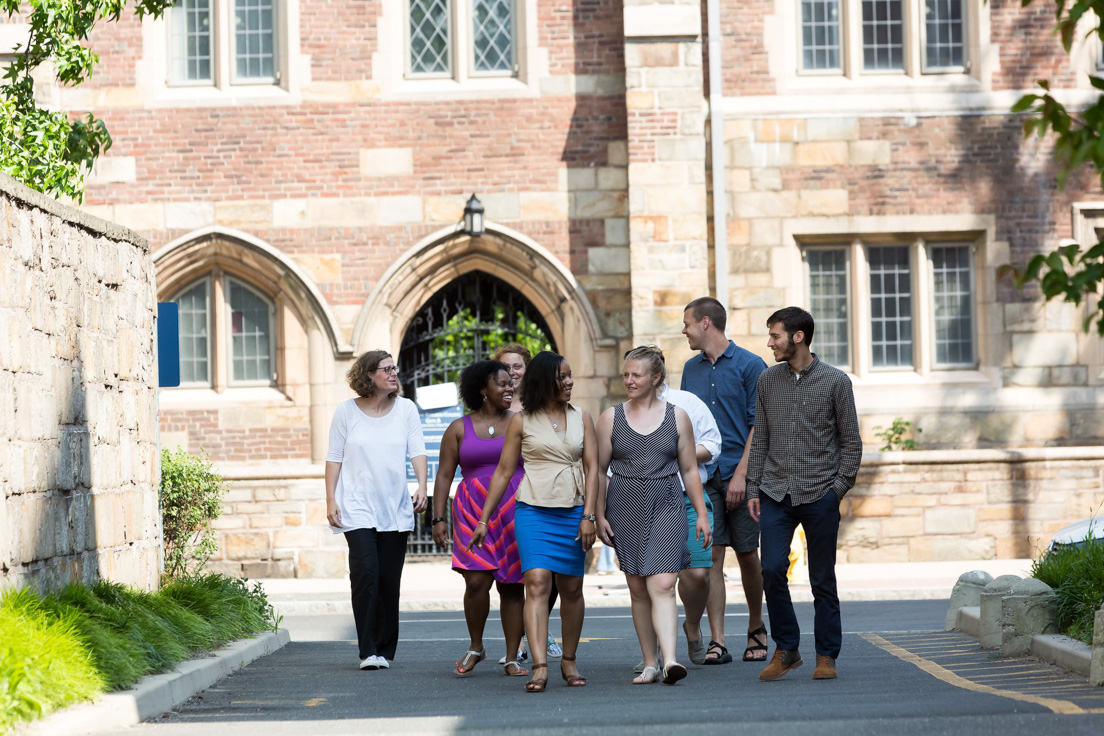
x=435, y=586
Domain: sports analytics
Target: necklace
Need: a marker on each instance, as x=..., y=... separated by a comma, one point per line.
x=490, y=429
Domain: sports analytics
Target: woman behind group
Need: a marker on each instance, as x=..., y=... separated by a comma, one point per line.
x=367, y=500
x=475, y=442
x=554, y=518
x=517, y=357
x=648, y=443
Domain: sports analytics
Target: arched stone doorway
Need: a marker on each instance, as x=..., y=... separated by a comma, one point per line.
x=465, y=322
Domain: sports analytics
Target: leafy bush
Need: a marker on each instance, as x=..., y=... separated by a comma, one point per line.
x=191, y=498
x=1076, y=572
x=894, y=437
x=75, y=644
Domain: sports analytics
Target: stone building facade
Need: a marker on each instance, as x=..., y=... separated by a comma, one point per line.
x=78, y=409
x=881, y=183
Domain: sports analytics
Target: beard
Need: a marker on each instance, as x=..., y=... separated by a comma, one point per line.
x=785, y=353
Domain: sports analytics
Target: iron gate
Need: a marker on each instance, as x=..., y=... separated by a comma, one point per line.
x=464, y=322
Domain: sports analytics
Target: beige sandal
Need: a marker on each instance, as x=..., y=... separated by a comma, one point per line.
x=466, y=665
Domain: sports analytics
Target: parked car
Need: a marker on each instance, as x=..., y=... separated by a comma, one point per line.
x=1076, y=534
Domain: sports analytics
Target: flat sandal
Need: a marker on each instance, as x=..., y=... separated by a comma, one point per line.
x=575, y=680
x=537, y=685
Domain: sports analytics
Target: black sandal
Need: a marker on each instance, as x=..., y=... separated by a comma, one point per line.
x=723, y=657
x=760, y=645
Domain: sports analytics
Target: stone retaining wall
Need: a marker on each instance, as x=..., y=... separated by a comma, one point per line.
x=916, y=506
x=78, y=416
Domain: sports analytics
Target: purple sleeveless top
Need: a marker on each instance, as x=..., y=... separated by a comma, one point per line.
x=479, y=457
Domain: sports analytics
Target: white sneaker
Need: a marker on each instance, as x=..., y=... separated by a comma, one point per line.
x=370, y=663
x=382, y=663
x=554, y=648
x=522, y=655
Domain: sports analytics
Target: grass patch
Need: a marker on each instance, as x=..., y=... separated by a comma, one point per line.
x=78, y=642
x=1076, y=572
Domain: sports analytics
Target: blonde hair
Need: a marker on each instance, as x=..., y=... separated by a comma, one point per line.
x=652, y=358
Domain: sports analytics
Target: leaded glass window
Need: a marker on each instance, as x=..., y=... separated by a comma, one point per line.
x=493, y=34
x=952, y=292
x=250, y=335
x=820, y=35
x=890, y=306
x=190, y=57
x=883, y=26
x=255, y=39
x=828, y=304
x=944, y=34
x=195, y=342
x=430, y=37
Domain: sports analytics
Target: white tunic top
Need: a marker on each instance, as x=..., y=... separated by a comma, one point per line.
x=371, y=488
x=706, y=432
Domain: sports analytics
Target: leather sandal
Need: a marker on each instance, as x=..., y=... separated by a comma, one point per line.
x=537, y=684
x=673, y=672
x=760, y=645
x=518, y=670
x=721, y=655
x=466, y=665
x=575, y=680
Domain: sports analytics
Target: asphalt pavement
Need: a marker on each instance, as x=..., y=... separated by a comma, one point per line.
x=899, y=674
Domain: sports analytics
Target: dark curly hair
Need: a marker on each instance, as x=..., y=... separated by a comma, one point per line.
x=475, y=378
x=359, y=375
x=542, y=381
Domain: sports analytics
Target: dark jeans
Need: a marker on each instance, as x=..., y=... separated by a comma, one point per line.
x=777, y=523
x=375, y=569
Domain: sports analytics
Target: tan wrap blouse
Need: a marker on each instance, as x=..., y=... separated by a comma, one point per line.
x=553, y=464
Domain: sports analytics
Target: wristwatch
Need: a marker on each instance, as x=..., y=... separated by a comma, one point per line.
x=590, y=517
x=436, y=519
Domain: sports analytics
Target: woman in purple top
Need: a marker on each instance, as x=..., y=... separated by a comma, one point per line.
x=475, y=442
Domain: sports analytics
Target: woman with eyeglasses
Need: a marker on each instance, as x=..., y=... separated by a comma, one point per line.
x=372, y=437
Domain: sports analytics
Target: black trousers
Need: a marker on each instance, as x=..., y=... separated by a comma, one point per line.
x=375, y=570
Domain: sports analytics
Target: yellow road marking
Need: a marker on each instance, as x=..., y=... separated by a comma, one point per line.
x=944, y=675
x=588, y=639
x=312, y=702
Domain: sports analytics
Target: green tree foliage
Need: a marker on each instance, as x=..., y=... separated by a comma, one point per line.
x=1073, y=273
x=895, y=437
x=46, y=149
x=191, y=498
x=455, y=347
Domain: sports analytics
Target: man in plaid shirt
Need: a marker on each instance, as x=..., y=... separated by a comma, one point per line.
x=804, y=456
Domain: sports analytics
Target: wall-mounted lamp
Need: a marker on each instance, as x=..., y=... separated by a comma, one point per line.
x=473, y=217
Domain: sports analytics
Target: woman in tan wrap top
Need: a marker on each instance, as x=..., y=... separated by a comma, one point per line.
x=554, y=517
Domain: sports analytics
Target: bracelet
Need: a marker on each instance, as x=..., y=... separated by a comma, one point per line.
x=590, y=517
x=483, y=523
x=436, y=520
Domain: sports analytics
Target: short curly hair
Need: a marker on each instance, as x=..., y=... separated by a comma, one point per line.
x=475, y=378
x=513, y=347
x=359, y=375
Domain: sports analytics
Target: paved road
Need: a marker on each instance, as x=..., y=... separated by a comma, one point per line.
x=899, y=674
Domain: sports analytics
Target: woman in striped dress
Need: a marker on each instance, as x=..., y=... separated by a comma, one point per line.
x=647, y=443
x=475, y=443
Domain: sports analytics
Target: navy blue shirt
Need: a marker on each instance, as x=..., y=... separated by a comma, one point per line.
x=728, y=388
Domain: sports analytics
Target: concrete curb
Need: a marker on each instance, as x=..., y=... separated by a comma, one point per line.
x=157, y=694
x=1067, y=653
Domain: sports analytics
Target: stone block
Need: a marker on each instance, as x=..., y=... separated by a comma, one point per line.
x=749, y=155
x=867, y=506
x=403, y=210
x=377, y=163
x=1047, y=426
x=1034, y=377
x=766, y=180
x=543, y=205
x=651, y=173
x=902, y=527
x=1001, y=428
x=1044, y=349
x=583, y=177
x=1096, y=664
x=617, y=153
x=651, y=54
x=869, y=153
x=680, y=149
x=303, y=537
x=991, y=604
x=617, y=231
x=247, y=545
x=636, y=99
x=950, y=520
x=243, y=214
x=608, y=260
x=598, y=205
x=832, y=129
x=317, y=563
x=331, y=212
x=444, y=209
x=655, y=21
x=1087, y=425
x=751, y=205
x=322, y=268
x=778, y=130
x=140, y=217
x=1077, y=375
x=966, y=592
x=829, y=153
x=823, y=202
x=681, y=99
x=676, y=77
x=1024, y=316
x=689, y=227
x=675, y=200
x=1029, y=609
x=268, y=569
x=615, y=178
x=189, y=215
x=943, y=549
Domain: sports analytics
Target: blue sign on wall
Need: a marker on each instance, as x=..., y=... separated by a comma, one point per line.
x=168, y=344
x=434, y=424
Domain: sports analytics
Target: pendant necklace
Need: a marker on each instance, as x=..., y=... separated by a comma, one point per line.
x=490, y=429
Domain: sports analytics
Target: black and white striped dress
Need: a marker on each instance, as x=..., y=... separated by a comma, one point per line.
x=644, y=503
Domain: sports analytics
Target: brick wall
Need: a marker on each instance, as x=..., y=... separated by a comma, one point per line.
x=78, y=438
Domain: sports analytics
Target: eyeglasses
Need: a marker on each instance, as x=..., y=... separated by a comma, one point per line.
x=388, y=369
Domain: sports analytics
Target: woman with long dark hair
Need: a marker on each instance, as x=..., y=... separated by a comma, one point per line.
x=554, y=517
x=474, y=442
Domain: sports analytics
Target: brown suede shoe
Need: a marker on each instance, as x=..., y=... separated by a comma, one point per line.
x=825, y=668
x=783, y=661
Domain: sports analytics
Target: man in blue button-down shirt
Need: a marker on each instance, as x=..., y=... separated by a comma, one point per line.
x=724, y=376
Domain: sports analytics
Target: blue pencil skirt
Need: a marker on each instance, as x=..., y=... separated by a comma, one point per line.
x=546, y=538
